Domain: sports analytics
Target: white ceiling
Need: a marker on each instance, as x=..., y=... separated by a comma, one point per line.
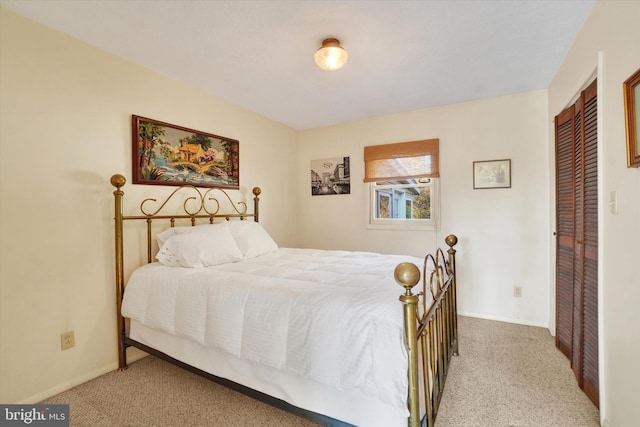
x=403, y=55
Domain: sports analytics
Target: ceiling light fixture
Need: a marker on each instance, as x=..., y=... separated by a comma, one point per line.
x=331, y=56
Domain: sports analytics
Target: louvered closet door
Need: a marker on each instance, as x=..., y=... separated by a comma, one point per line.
x=578, y=243
x=565, y=219
x=590, y=246
x=577, y=239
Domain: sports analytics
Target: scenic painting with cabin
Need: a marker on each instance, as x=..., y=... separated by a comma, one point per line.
x=172, y=155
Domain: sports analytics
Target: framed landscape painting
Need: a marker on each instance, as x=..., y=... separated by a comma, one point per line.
x=166, y=154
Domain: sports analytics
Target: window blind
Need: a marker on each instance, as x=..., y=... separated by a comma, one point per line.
x=402, y=160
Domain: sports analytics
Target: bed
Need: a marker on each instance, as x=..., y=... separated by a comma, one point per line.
x=327, y=335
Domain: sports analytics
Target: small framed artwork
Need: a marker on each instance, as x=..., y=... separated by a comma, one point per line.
x=631, y=88
x=330, y=176
x=492, y=174
x=166, y=154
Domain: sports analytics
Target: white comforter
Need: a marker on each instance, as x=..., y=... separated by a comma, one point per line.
x=329, y=316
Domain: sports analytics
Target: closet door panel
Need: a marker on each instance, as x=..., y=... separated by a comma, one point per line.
x=590, y=296
x=578, y=248
x=565, y=230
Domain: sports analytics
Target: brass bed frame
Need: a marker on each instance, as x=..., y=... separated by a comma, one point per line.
x=431, y=332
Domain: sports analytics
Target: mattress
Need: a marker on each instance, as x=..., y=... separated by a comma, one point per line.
x=305, y=322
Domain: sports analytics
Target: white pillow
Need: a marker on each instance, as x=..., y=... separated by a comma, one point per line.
x=252, y=239
x=162, y=237
x=207, y=247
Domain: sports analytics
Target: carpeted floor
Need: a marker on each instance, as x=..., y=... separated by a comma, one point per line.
x=153, y=392
x=511, y=375
x=506, y=376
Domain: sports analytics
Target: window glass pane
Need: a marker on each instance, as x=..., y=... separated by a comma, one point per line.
x=403, y=201
x=383, y=205
x=422, y=204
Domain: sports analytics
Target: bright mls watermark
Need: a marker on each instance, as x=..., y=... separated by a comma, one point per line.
x=34, y=415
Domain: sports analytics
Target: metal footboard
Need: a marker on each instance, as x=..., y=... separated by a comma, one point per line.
x=431, y=329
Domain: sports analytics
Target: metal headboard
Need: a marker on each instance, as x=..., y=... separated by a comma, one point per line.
x=199, y=204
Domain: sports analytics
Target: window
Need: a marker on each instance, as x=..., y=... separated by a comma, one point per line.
x=403, y=184
x=404, y=204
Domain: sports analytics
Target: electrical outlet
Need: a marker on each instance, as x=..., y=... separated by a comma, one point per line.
x=67, y=340
x=517, y=291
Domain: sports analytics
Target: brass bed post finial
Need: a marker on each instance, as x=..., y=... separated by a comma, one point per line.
x=119, y=181
x=407, y=275
x=451, y=240
x=256, y=203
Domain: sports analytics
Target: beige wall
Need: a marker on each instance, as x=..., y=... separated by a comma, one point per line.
x=504, y=234
x=609, y=44
x=64, y=130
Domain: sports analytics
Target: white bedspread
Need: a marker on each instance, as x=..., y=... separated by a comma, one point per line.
x=330, y=316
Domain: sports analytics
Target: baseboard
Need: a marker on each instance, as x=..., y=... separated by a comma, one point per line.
x=503, y=319
x=131, y=357
x=69, y=384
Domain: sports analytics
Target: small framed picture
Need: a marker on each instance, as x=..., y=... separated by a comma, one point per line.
x=492, y=174
x=330, y=176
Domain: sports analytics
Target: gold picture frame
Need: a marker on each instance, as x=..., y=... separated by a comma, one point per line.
x=166, y=154
x=631, y=88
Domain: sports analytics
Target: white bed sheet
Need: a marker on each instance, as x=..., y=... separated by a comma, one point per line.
x=318, y=329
